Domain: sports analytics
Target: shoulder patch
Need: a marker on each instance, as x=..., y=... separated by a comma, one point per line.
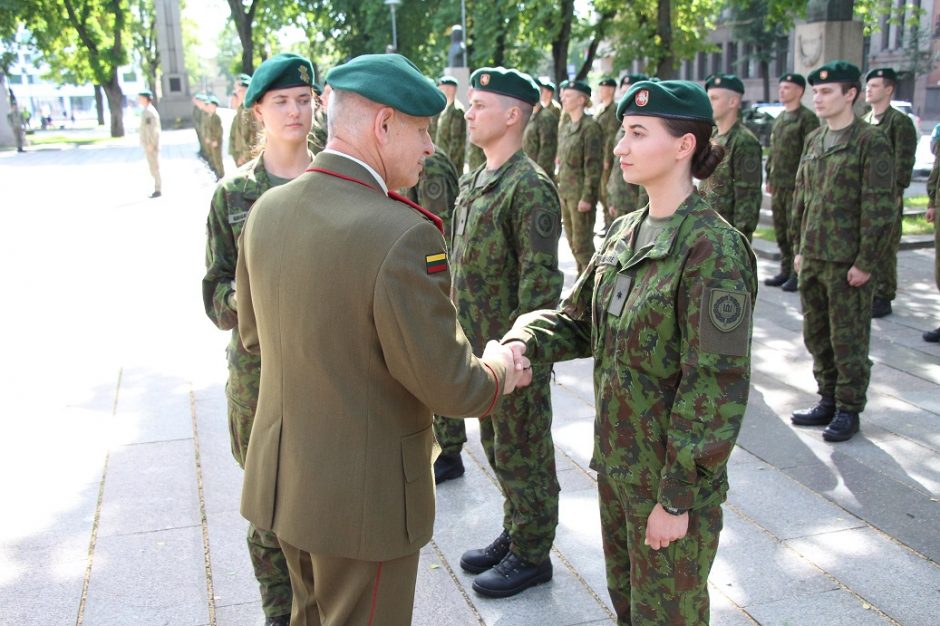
x=881, y=171
x=436, y=262
x=434, y=189
x=725, y=321
x=726, y=309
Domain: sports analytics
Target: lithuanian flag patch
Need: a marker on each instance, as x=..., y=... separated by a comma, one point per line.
x=436, y=262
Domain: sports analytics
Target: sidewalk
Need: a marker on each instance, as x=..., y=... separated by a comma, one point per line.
x=121, y=496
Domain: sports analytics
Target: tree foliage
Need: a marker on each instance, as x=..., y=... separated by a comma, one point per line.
x=758, y=26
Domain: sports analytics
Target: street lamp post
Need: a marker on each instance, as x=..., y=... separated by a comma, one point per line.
x=391, y=5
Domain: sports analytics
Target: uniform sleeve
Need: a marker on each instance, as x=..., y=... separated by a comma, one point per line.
x=424, y=346
x=746, y=174
x=221, y=257
x=798, y=205
x=715, y=367
x=879, y=209
x=247, y=323
x=905, y=145
x=536, y=218
x=592, y=163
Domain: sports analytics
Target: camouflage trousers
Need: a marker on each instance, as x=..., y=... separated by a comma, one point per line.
x=836, y=331
x=215, y=161
x=780, y=204
x=267, y=559
x=579, y=230
x=517, y=440
x=646, y=586
x=450, y=433
x=885, y=275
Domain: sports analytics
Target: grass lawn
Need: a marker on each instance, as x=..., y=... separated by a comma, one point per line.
x=912, y=225
x=54, y=138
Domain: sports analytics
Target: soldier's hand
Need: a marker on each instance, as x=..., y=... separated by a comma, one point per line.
x=663, y=528
x=797, y=262
x=931, y=214
x=857, y=277
x=584, y=207
x=518, y=372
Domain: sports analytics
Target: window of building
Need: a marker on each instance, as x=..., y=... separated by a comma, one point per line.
x=702, y=66
x=15, y=79
x=731, y=59
x=716, y=62
x=744, y=71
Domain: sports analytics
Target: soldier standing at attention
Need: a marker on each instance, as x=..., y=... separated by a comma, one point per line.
x=734, y=189
x=880, y=85
x=451, y=126
x=843, y=204
x=623, y=197
x=580, y=161
x=198, y=114
x=213, y=137
x=339, y=461
x=150, y=137
x=933, y=200
x=605, y=114
x=540, y=140
x=509, y=210
x=281, y=98
x=665, y=309
x=786, y=145
x=243, y=135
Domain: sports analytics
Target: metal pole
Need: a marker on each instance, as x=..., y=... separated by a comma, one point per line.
x=394, y=31
x=463, y=24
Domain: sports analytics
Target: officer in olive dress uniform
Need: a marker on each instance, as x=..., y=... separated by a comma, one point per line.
x=339, y=460
x=665, y=310
x=880, y=86
x=844, y=202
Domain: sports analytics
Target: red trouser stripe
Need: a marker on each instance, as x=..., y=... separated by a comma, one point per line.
x=375, y=594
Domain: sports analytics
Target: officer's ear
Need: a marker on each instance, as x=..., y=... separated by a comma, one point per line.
x=382, y=124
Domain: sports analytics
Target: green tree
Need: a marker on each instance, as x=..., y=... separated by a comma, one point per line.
x=759, y=25
x=143, y=29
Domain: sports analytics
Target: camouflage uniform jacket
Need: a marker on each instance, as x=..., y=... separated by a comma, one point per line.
x=844, y=201
x=475, y=157
x=540, y=140
x=580, y=162
x=243, y=135
x=316, y=139
x=150, y=128
x=212, y=131
x=733, y=189
x=452, y=133
x=933, y=181
x=902, y=136
x=606, y=116
x=623, y=196
x=786, y=145
x=437, y=187
x=669, y=327
x=505, y=248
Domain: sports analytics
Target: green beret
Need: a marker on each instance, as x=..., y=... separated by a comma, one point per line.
x=447, y=80
x=279, y=72
x=724, y=81
x=607, y=81
x=392, y=80
x=213, y=100
x=201, y=97
x=506, y=82
x=243, y=79
x=835, y=72
x=629, y=79
x=145, y=92
x=882, y=72
x=580, y=85
x=678, y=99
x=546, y=84
x=796, y=79
x=563, y=85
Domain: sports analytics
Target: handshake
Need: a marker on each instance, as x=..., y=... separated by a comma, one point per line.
x=512, y=355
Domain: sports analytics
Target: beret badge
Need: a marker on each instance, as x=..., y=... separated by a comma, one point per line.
x=485, y=79
x=824, y=74
x=304, y=74
x=642, y=98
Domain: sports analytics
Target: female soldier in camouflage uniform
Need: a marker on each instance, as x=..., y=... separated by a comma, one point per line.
x=665, y=308
x=280, y=97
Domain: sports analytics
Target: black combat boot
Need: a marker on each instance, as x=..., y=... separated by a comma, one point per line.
x=777, y=280
x=476, y=561
x=792, y=284
x=512, y=575
x=880, y=307
x=933, y=336
x=448, y=466
x=842, y=427
x=280, y=620
x=819, y=414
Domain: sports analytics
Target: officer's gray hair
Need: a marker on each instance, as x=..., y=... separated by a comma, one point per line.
x=347, y=108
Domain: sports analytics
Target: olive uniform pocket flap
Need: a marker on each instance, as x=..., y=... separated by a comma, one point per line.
x=725, y=321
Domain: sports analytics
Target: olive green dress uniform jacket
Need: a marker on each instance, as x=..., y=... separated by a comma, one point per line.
x=734, y=189
x=338, y=289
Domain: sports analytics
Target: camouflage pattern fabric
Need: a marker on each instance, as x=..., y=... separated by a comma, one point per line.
x=540, y=140
x=787, y=137
x=669, y=328
x=230, y=206
x=902, y=136
x=624, y=197
x=512, y=215
x=316, y=139
x=606, y=117
x=475, y=157
x=733, y=189
x=243, y=136
x=452, y=133
x=933, y=200
x=580, y=145
x=212, y=134
x=432, y=127
x=437, y=188
x=843, y=204
x=198, y=120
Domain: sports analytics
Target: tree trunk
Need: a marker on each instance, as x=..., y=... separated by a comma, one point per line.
x=99, y=105
x=666, y=69
x=599, y=32
x=112, y=90
x=561, y=42
x=243, y=26
x=765, y=73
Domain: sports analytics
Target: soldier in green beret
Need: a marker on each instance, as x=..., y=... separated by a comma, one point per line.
x=605, y=114
x=212, y=135
x=280, y=98
x=508, y=210
x=243, y=136
x=339, y=460
x=789, y=132
x=150, y=137
x=843, y=204
x=735, y=188
x=880, y=86
x=540, y=140
x=623, y=197
x=451, y=125
x=580, y=162
x=665, y=309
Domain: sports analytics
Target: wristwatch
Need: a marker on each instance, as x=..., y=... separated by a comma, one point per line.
x=673, y=510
